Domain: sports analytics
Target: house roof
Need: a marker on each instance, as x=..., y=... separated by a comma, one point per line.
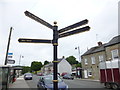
x=48, y=65
x=51, y=64
x=113, y=41
x=95, y=49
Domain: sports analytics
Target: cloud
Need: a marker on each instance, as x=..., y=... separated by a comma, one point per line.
x=102, y=16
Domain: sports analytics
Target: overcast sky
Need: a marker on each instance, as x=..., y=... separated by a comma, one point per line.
x=102, y=16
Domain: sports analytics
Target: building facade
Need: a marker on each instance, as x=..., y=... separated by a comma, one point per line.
x=95, y=55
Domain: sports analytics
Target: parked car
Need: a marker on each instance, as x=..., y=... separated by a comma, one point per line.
x=28, y=76
x=46, y=82
x=40, y=74
x=68, y=76
x=63, y=73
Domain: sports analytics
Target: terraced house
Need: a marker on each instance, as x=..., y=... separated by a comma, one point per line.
x=95, y=55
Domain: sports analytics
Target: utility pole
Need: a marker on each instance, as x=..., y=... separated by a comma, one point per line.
x=78, y=53
x=20, y=59
x=8, y=46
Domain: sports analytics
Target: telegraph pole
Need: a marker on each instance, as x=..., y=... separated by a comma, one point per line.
x=8, y=46
x=78, y=53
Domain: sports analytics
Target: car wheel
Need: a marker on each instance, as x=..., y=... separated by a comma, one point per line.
x=115, y=86
x=108, y=85
x=37, y=86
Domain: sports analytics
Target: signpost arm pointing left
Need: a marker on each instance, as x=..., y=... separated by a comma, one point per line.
x=24, y=40
x=32, y=16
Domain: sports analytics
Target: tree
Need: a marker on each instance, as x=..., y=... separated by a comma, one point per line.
x=46, y=62
x=25, y=69
x=78, y=65
x=35, y=66
x=72, y=60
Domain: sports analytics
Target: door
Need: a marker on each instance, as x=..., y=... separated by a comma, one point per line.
x=85, y=74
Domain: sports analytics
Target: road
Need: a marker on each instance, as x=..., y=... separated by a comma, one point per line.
x=76, y=83
x=33, y=83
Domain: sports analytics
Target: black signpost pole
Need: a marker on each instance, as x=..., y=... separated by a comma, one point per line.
x=55, y=61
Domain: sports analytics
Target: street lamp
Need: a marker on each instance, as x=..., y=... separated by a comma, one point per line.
x=77, y=48
x=20, y=59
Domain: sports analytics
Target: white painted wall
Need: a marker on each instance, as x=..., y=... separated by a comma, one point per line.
x=64, y=66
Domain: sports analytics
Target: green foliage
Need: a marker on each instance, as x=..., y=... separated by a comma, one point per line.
x=35, y=66
x=72, y=60
x=79, y=65
x=46, y=62
x=25, y=69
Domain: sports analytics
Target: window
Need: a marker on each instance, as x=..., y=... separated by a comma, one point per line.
x=114, y=54
x=101, y=58
x=86, y=62
x=93, y=60
x=89, y=72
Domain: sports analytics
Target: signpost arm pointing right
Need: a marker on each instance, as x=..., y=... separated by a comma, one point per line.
x=73, y=26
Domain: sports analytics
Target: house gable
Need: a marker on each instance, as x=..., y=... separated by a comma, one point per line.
x=64, y=66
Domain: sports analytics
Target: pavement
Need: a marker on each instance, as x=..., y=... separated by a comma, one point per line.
x=19, y=83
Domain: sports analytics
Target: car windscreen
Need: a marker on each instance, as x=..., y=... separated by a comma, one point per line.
x=49, y=79
x=28, y=74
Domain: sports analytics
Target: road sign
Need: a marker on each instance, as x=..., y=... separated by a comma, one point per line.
x=9, y=61
x=32, y=16
x=10, y=53
x=9, y=56
x=74, y=32
x=23, y=40
x=73, y=26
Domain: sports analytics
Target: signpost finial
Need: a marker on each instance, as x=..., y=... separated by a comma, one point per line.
x=55, y=23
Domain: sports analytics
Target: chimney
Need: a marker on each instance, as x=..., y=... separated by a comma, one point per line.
x=99, y=43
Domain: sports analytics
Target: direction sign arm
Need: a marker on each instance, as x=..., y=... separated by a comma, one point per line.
x=24, y=40
x=74, y=32
x=73, y=26
x=32, y=16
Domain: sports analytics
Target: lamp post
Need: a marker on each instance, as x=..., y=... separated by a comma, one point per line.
x=78, y=52
x=20, y=59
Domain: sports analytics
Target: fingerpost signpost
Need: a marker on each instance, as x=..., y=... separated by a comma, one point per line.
x=56, y=35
